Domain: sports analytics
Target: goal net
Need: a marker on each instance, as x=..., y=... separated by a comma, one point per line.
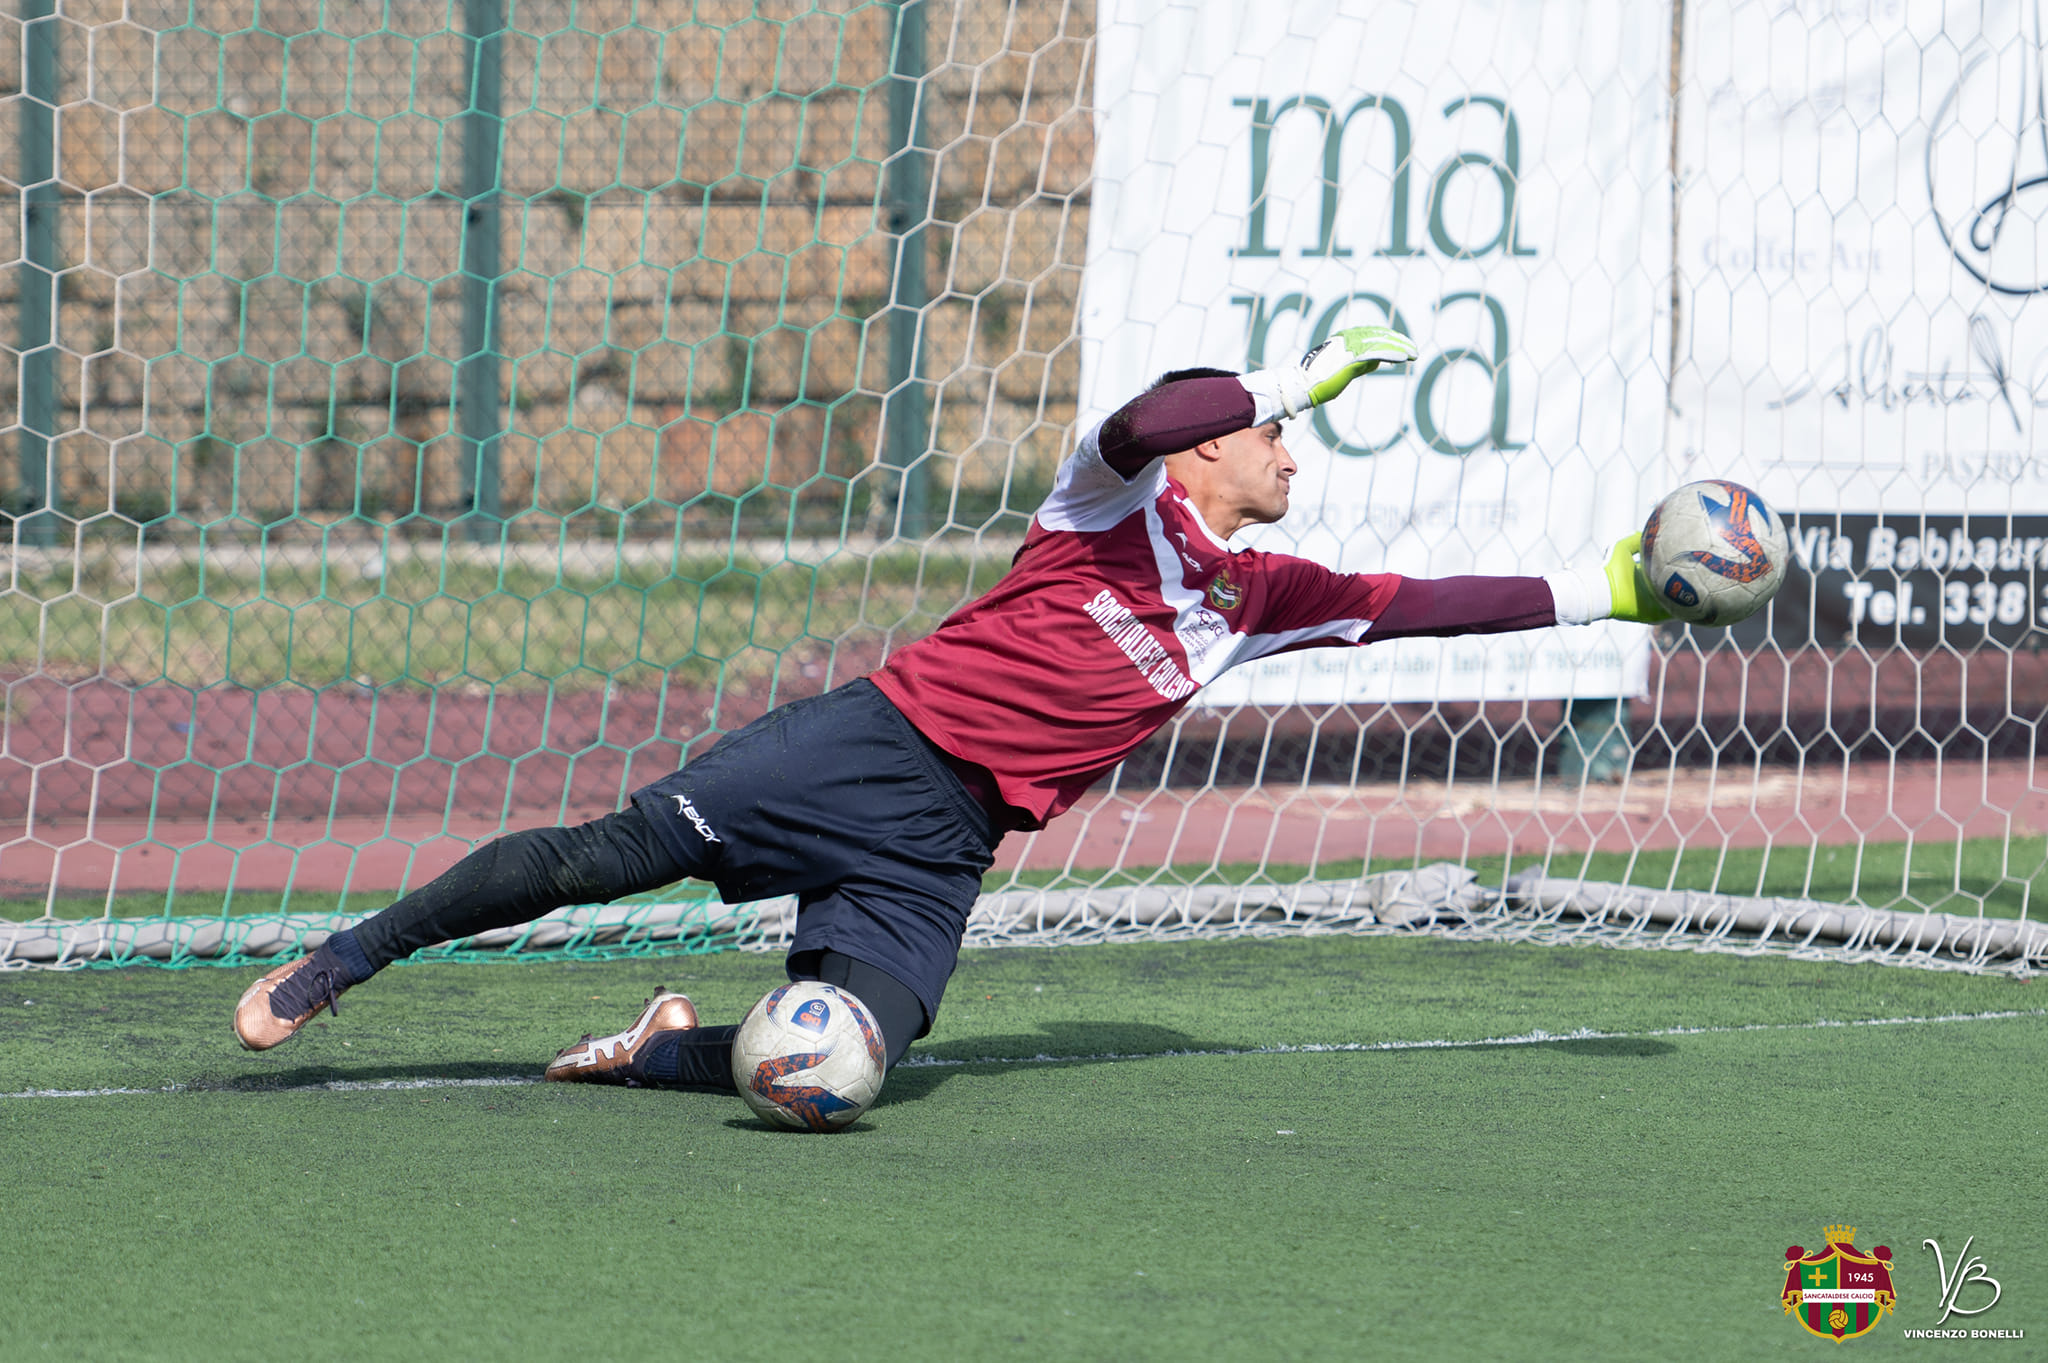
x=435, y=420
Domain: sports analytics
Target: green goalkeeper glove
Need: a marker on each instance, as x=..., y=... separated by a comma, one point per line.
x=1324, y=372
x=1351, y=354
x=1634, y=601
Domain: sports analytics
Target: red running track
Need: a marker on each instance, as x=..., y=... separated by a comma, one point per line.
x=1428, y=821
x=108, y=788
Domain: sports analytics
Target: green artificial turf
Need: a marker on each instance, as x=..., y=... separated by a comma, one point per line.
x=1100, y=1153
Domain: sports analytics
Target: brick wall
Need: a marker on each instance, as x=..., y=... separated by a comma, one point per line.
x=260, y=306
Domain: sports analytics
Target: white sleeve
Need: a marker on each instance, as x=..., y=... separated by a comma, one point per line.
x=1087, y=494
x=1582, y=595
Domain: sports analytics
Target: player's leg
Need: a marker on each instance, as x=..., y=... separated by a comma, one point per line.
x=513, y=879
x=722, y=819
x=889, y=935
x=907, y=846
x=894, y=1005
x=666, y=1048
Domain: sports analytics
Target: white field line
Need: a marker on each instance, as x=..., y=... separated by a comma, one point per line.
x=923, y=1062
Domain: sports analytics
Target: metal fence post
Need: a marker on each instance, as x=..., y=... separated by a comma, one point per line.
x=479, y=413
x=906, y=411
x=37, y=278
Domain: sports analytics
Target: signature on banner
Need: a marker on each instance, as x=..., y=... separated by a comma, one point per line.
x=1867, y=372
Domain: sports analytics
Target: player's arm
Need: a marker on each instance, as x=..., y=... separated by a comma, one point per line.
x=1425, y=607
x=1615, y=590
x=1303, y=604
x=1306, y=604
x=1172, y=417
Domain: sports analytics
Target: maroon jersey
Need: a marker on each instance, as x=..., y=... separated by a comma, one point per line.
x=1122, y=603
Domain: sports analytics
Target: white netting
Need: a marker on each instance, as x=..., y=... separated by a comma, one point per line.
x=1439, y=898
x=430, y=421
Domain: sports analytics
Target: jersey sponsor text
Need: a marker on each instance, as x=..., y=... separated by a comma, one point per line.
x=1128, y=633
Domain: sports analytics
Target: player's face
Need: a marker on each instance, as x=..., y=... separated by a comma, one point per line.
x=1257, y=470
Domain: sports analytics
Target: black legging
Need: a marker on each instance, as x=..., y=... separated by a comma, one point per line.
x=517, y=878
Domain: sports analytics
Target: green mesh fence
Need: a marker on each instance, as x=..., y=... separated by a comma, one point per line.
x=428, y=420
x=433, y=418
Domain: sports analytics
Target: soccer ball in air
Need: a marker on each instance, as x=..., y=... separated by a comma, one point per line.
x=1714, y=553
x=808, y=1057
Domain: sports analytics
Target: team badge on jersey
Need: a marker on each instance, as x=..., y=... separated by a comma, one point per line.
x=1223, y=594
x=1840, y=1292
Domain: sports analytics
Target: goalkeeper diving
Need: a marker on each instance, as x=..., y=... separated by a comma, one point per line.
x=879, y=805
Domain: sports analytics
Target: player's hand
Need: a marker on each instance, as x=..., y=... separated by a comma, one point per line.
x=1634, y=601
x=1350, y=354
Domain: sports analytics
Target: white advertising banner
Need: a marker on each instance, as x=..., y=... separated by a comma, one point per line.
x=1488, y=176
x=1863, y=249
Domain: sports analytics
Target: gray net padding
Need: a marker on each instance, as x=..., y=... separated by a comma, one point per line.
x=1441, y=898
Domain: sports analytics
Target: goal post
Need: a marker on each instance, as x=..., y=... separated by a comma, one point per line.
x=435, y=421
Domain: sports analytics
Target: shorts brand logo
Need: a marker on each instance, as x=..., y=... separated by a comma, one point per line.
x=689, y=811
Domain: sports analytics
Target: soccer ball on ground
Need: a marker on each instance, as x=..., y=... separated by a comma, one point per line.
x=809, y=1057
x=1714, y=553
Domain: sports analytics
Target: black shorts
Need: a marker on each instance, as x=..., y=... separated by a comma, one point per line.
x=838, y=800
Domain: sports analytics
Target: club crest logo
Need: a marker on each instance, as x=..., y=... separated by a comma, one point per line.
x=1224, y=594
x=1839, y=1292
x=813, y=1016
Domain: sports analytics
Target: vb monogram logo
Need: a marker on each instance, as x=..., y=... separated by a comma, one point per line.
x=1969, y=1269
